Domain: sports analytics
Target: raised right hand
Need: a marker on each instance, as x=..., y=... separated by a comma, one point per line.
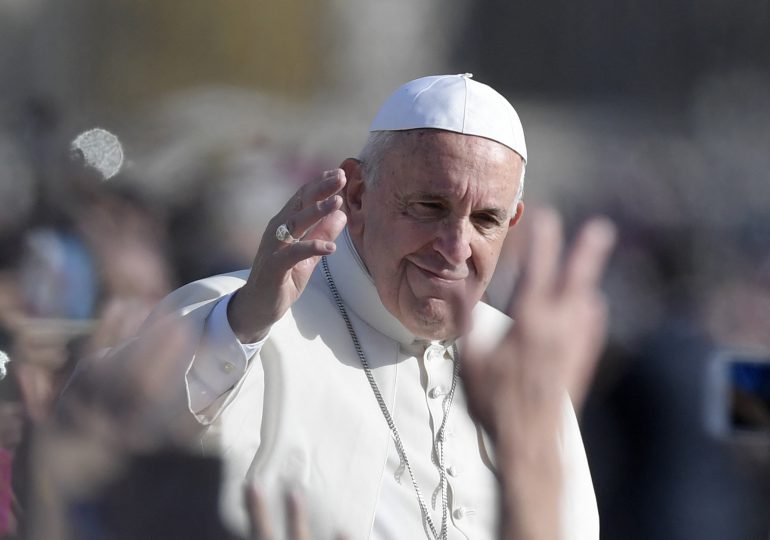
x=281, y=270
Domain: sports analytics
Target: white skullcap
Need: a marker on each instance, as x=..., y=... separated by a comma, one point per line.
x=454, y=103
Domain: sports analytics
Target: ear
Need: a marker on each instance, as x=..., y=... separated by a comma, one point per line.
x=517, y=216
x=353, y=193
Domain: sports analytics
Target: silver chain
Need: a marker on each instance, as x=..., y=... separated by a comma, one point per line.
x=447, y=404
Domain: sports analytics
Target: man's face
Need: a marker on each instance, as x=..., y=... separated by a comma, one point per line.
x=431, y=228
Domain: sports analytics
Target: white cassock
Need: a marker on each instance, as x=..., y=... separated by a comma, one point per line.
x=300, y=413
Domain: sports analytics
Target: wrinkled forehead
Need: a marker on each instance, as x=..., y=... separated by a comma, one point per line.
x=427, y=140
x=436, y=150
x=453, y=165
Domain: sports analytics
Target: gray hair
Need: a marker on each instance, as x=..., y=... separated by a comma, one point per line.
x=373, y=153
x=380, y=142
x=520, y=191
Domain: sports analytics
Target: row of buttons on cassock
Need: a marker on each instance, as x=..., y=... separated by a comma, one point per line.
x=433, y=354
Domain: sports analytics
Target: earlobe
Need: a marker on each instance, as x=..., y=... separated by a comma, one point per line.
x=517, y=216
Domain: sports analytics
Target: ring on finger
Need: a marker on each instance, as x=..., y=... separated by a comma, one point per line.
x=283, y=234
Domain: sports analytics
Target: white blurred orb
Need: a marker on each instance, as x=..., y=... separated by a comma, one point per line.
x=3, y=361
x=101, y=150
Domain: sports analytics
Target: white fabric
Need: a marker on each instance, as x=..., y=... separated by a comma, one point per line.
x=304, y=415
x=211, y=376
x=454, y=103
x=421, y=386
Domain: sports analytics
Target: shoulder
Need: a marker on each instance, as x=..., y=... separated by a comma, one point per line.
x=489, y=324
x=485, y=311
x=198, y=292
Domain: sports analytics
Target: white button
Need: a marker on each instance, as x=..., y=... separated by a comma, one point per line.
x=228, y=367
x=459, y=513
x=435, y=392
x=453, y=470
x=434, y=352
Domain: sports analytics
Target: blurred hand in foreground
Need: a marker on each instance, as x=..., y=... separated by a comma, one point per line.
x=121, y=318
x=128, y=402
x=517, y=390
x=129, y=247
x=262, y=527
x=134, y=396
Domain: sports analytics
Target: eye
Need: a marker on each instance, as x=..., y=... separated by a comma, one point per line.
x=427, y=209
x=430, y=205
x=486, y=221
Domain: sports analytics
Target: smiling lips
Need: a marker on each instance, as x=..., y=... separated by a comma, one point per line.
x=445, y=277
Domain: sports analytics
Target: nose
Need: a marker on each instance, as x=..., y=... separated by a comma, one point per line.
x=453, y=241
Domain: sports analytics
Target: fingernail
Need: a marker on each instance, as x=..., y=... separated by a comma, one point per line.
x=334, y=201
x=329, y=203
x=330, y=247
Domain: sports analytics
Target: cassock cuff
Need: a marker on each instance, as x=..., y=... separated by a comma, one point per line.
x=221, y=361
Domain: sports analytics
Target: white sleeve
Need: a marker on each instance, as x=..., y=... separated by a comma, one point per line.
x=221, y=362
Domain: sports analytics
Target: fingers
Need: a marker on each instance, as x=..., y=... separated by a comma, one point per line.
x=330, y=227
x=260, y=526
x=331, y=182
x=586, y=262
x=320, y=222
x=473, y=372
x=462, y=316
x=312, y=202
x=159, y=367
x=328, y=230
x=579, y=373
x=542, y=268
x=301, y=222
x=121, y=319
x=299, y=528
x=259, y=518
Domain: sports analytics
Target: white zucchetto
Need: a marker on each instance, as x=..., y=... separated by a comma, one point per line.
x=453, y=103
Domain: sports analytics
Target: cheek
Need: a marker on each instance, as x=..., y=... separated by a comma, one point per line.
x=485, y=260
x=385, y=246
x=404, y=237
x=396, y=244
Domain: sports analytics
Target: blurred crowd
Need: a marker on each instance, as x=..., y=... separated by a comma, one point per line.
x=83, y=260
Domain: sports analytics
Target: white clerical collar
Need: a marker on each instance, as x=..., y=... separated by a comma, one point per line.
x=359, y=293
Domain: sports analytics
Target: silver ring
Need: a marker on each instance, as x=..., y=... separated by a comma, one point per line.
x=282, y=233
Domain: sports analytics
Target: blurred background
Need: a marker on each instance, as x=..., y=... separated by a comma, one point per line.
x=655, y=113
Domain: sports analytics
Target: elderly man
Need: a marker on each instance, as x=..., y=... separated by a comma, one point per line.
x=332, y=365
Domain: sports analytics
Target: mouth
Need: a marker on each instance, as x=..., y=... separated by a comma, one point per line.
x=442, y=277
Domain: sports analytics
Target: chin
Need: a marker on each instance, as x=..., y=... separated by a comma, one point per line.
x=433, y=333
x=432, y=321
